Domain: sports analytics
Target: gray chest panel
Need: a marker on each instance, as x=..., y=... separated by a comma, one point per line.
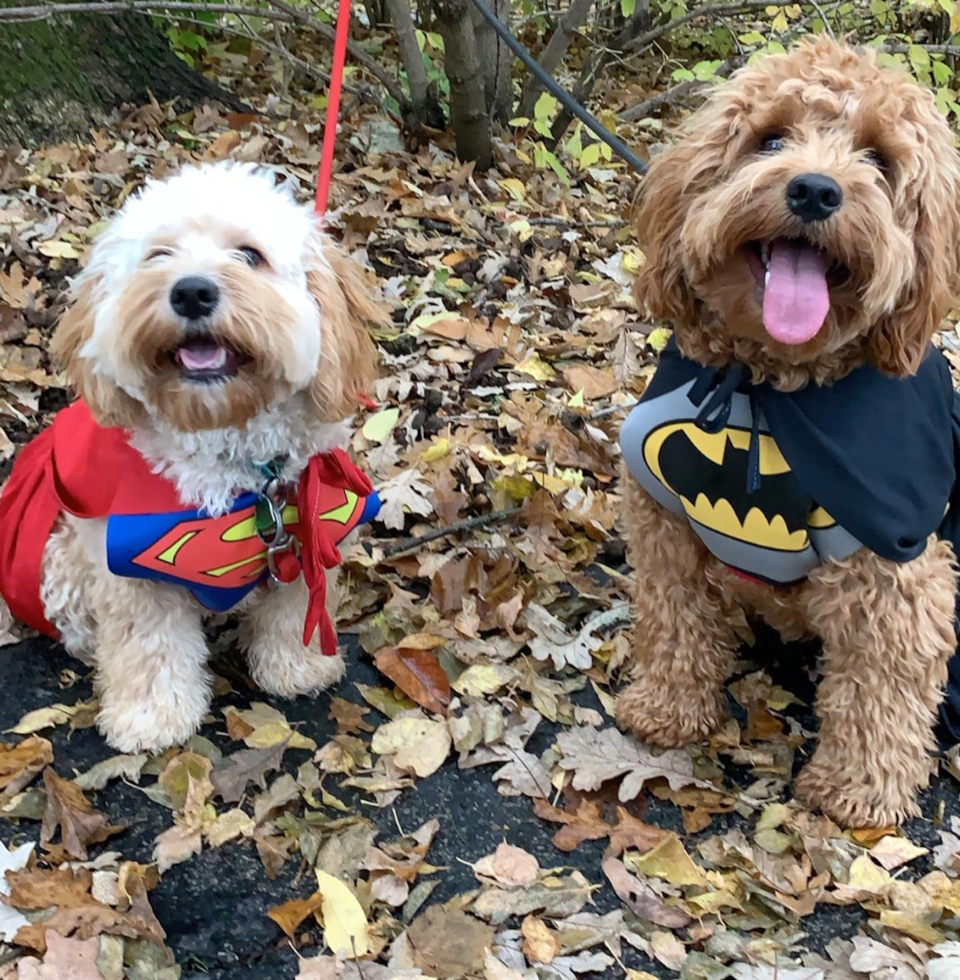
x=777, y=533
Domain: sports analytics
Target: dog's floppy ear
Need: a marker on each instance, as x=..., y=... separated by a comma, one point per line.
x=900, y=340
x=110, y=405
x=348, y=306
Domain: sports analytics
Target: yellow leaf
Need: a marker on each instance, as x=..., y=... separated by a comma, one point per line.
x=668, y=860
x=658, y=337
x=59, y=250
x=344, y=922
x=438, y=450
x=481, y=679
x=536, y=368
x=379, y=426
x=918, y=926
x=49, y=717
x=869, y=877
x=577, y=400
x=275, y=732
x=514, y=188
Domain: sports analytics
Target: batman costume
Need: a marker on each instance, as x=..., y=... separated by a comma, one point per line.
x=774, y=482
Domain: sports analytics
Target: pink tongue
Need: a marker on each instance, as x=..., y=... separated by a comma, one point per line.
x=202, y=357
x=796, y=299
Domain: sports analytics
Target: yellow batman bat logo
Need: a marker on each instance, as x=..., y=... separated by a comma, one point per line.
x=707, y=471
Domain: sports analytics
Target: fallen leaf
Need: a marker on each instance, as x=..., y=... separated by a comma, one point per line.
x=21, y=763
x=349, y=717
x=641, y=898
x=418, y=674
x=65, y=959
x=290, y=914
x=509, y=866
x=70, y=811
x=596, y=756
x=345, y=929
x=233, y=773
x=265, y=727
x=117, y=767
x=417, y=744
x=892, y=852
x=449, y=942
x=10, y=861
x=540, y=945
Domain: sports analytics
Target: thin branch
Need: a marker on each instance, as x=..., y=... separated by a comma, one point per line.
x=408, y=545
x=736, y=7
x=671, y=95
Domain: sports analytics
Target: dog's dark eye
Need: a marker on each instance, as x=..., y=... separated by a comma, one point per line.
x=773, y=143
x=157, y=253
x=253, y=256
x=876, y=159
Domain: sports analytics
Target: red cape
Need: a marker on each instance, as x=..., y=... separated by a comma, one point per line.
x=77, y=467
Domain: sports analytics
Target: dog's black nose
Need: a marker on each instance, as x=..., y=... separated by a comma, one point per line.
x=814, y=197
x=194, y=297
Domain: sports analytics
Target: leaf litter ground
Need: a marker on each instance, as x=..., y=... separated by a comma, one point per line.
x=465, y=806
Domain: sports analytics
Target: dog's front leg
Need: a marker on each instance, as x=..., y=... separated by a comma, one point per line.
x=151, y=665
x=683, y=645
x=271, y=632
x=887, y=633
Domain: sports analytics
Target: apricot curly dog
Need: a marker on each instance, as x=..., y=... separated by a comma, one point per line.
x=794, y=457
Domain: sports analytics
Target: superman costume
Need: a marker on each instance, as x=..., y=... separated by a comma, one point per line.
x=79, y=467
x=776, y=482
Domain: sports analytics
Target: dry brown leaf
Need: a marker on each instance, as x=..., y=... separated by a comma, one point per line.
x=418, y=674
x=540, y=945
x=21, y=763
x=70, y=811
x=449, y=942
x=233, y=773
x=290, y=914
x=641, y=898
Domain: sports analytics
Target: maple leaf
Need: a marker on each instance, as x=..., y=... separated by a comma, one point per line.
x=596, y=756
x=406, y=492
x=233, y=773
x=67, y=808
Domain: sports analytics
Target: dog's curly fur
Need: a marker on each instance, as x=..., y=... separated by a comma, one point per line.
x=887, y=629
x=298, y=320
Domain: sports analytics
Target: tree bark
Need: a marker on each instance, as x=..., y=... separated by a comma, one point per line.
x=411, y=55
x=57, y=78
x=555, y=49
x=496, y=60
x=468, y=104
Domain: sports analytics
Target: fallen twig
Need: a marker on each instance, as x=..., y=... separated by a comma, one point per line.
x=408, y=545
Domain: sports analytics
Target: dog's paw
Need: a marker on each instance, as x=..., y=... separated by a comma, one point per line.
x=664, y=717
x=850, y=801
x=153, y=727
x=306, y=672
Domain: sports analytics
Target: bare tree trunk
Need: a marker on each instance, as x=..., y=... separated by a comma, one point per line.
x=410, y=53
x=468, y=104
x=555, y=49
x=595, y=65
x=496, y=59
x=59, y=78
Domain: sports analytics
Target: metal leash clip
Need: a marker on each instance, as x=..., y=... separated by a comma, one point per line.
x=271, y=504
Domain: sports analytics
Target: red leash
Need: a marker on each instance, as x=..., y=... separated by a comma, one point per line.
x=333, y=107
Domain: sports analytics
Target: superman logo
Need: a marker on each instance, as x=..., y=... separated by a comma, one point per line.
x=708, y=473
x=226, y=551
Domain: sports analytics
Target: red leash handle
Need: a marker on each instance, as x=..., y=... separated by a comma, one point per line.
x=333, y=107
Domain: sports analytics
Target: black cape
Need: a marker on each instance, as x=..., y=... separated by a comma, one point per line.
x=880, y=454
